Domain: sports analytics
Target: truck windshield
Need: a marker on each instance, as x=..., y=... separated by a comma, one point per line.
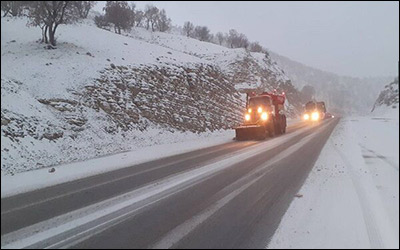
x=310, y=106
x=321, y=106
x=259, y=101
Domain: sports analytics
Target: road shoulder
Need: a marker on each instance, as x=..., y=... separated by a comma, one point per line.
x=340, y=205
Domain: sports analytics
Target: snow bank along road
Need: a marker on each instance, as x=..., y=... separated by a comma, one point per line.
x=227, y=196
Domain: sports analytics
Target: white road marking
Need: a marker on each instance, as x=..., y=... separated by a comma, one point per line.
x=46, y=230
x=181, y=231
x=101, y=184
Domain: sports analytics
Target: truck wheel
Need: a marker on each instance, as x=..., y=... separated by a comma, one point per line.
x=271, y=130
x=282, y=128
x=284, y=125
x=278, y=129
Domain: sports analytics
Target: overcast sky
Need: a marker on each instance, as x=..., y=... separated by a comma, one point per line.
x=348, y=38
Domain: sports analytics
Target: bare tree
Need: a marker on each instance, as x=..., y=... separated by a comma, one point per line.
x=237, y=40
x=49, y=15
x=256, y=47
x=151, y=15
x=139, y=18
x=202, y=33
x=220, y=38
x=243, y=42
x=188, y=28
x=163, y=22
x=232, y=37
x=83, y=7
x=211, y=38
x=119, y=14
x=132, y=14
x=14, y=8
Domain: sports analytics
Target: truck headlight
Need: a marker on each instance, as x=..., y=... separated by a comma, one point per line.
x=306, y=117
x=259, y=110
x=249, y=110
x=247, y=117
x=264, y=116
x=315, y=116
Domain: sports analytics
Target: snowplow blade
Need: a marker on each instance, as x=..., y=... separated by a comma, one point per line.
x=251, y=132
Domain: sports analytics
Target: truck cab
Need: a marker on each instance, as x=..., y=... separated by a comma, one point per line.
x=314, y=111
x=264, y=116
x=258, y=109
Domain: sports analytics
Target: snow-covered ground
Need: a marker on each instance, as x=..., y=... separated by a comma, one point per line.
x=351, y=197
x=100, y=93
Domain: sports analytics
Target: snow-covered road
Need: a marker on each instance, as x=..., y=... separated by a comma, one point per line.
x=172, y=202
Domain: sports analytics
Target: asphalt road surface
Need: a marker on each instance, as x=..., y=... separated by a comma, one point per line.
x=228, y=196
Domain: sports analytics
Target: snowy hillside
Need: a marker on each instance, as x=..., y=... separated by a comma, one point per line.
x=100, y=93
x=246, y=70
x=388, y=99
x=342, y=94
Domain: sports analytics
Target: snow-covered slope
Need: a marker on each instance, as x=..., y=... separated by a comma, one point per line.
x=387, y=103
x=342, y=94
x=100, y=93
x=246, y=70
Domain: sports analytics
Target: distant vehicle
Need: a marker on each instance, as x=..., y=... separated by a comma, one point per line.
x=264, y=116
x=314, y=111
x=329, y=115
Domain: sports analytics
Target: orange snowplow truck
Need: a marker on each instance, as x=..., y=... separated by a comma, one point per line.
x=264, y=116
x=314, y=111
